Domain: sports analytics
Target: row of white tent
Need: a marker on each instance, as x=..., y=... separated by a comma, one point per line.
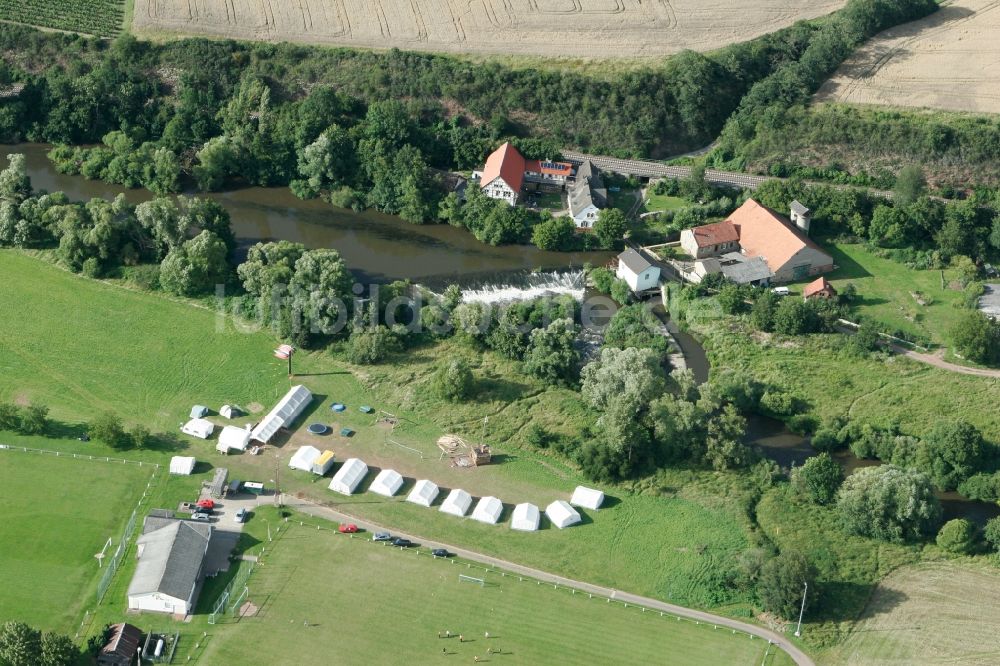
x=234, y=438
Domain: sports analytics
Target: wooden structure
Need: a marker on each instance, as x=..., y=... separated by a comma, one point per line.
x=463, y=454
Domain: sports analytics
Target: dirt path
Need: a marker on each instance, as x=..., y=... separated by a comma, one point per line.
x=326, y=513
x=937, y=361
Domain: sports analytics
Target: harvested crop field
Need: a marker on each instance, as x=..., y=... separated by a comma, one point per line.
x=575, y=28
x=945, y=61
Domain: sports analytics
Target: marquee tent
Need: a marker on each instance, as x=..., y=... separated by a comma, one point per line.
x=488, y=510
x=304, y=458
x=588, y=498
x=387, y=483
x=562, y=514
x=199, y=428
x=457, y=503
x=348, y=476
x=525, y=518
x=283, y=414
x=233, y=437
x=424, y=493
x=182, y=465
x=323, y=464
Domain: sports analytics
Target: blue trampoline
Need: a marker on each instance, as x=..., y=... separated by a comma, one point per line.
x=338, y=407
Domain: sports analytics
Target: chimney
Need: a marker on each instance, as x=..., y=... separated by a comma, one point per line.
x=801, y=216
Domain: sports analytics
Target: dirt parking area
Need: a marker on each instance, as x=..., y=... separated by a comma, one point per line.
x=946, y=61
x=573, y=28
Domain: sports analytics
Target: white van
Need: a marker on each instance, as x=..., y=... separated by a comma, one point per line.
x=781, y=291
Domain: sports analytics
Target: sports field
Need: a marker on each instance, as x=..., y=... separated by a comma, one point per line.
x=324, y=598
x=58, y=513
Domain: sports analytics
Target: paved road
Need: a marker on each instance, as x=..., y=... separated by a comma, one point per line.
x=320, y=511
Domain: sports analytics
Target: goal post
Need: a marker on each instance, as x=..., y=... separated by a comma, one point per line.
x=481, y=582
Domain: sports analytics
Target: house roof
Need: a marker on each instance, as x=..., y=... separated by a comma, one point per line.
x=171, y=560
x=634, y=261
x=714, y=234
x=800, y=208
x=589, y=190
x=764, y=233
x=816, y=286
x=507, y=163
x=124, y=641
x=564, y=169
x=742, y=269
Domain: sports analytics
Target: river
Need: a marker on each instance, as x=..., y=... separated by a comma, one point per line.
x=376, y=247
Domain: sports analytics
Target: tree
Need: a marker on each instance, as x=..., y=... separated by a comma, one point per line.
x=268, y=265
x=10, y=416
x=694, y=186
x=20, y=645
x=819, y=478
x=635, y=326
x=992, y=533
x=328, y=162
x=139, y=437
x=977, y=337
x=33, y=419
x=952, y=452
x=910, y=185
x=957, y=536
x=782, y=582
x=217, y=160
x=107, y=427
x=611, y=225
x=635, y=375
x=763, y=311
x=796, y=317
x=322, y=285
x=731, y=298
x=556, y=233
x=162, y=220
x=15, y=185
x=371, y=346
x=552, y=354
x=196, y=266
x=58, y=650
x=724, y=448
x=453, y=381
x=889, y=503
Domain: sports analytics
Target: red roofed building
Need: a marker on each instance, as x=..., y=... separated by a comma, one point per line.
x=820, y=288
x=506, y=173
x=710, y=240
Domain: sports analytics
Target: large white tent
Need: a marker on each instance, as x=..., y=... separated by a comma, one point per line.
x=562, y=514
x=457, y=503
x=347, y=478
x=488, y=510
x=525, y=518
x=199, y=428
x=283, y=414
x=233, y=437
x=182, y=465
x=387, y=483
x=304, y=458
x=588, y=498
x=424, y=493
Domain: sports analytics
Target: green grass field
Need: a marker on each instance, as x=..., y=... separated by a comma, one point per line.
x=663, y=202
x=103, y=18
x=59, y=512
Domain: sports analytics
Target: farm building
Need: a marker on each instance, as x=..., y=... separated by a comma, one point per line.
x=199, y=428
x=507, y=173
x=562, y=514
x=233, y=438
x=588, y=498
x=819, y=288
x=387, y=483
x=283, y=415
x=457, y=503
x=710, y=240
x=587, y=196
x=424, y=493
x=488, y=510
x=121, y=647
x=323, y=464
x=304, y=458
x=170, y=564
x=182, y=465
x=347, y=478
x=637, y=271
x=525, y=518
x=736, y=267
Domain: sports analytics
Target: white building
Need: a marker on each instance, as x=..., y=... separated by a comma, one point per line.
x=283, y=415
x=562, y=514
x=387, y=483
x=347, y=478
x=488, y=510
x=588, y=498
x=587, y=196
x=170, y=564
x=457, y=503
x=525, y=518
x=638, y=273
x=424, y=493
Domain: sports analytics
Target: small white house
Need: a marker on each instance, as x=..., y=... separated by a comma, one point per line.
x=304, y=458
x=171, y=561
x=233, y=438
x=200, y=428
x=638, y=273
x=424, y=493
x=588, y=498
x=488, y=510
x=387, y=483
x=525, y=518
x=562, y=514
x=457, y=503
x=347, y=478
x=182, y=465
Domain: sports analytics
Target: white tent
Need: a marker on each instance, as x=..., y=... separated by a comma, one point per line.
x=457, y=503
x=562, y=514
x=525, y=518
x=387, y=483
x=182, y=465
x=323, y=464
x=423, y=493
x=348, y=476
x=199, y=428
x=233, y=437
x=229, y=411
x=304, y=458
x=588, y=498
x=283, y=414
x=488, y=510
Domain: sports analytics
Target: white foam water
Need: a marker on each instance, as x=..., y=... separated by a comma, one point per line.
x=533, y=286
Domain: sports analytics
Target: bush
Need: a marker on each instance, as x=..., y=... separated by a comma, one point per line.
x=957, y=536
x=819, y=478
x=108, y=428
x=889, y=503
x=34, y=419
x=453, y=381
x=371, y=346
x=992, y=533
x=783, y=579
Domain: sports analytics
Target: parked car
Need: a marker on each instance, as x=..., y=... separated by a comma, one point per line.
x=402, y=543
x=241, y=515
x=382, y=536
x=206, y=504
x=201, y=516
x=781, y=291
x=440, y=552
x=347, y=528
x=202, y=509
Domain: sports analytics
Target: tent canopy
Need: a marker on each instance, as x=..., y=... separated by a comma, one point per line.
x=525, y=517
x=199, y=428
x=424, y=493
x=488, y=510
x=562, y=514
x=457, y=503
x=588, y=498
x=198, y=411
x=347, y=478
x=233, y=437
x=182, y=465
x=283, y=414
x=229, y=411
x=304, y=458
x=387, y=483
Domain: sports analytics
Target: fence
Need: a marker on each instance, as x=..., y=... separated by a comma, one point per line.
x=238, y=585
x=115, y=562
x=78, y=456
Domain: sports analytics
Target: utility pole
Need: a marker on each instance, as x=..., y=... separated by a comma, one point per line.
x=805, y=589
x=277, y=488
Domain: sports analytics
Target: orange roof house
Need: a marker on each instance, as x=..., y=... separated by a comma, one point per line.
x=819, y=288
x=503, y=174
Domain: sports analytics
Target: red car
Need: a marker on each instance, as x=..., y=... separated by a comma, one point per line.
x=206, y=504
x=347, y=528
